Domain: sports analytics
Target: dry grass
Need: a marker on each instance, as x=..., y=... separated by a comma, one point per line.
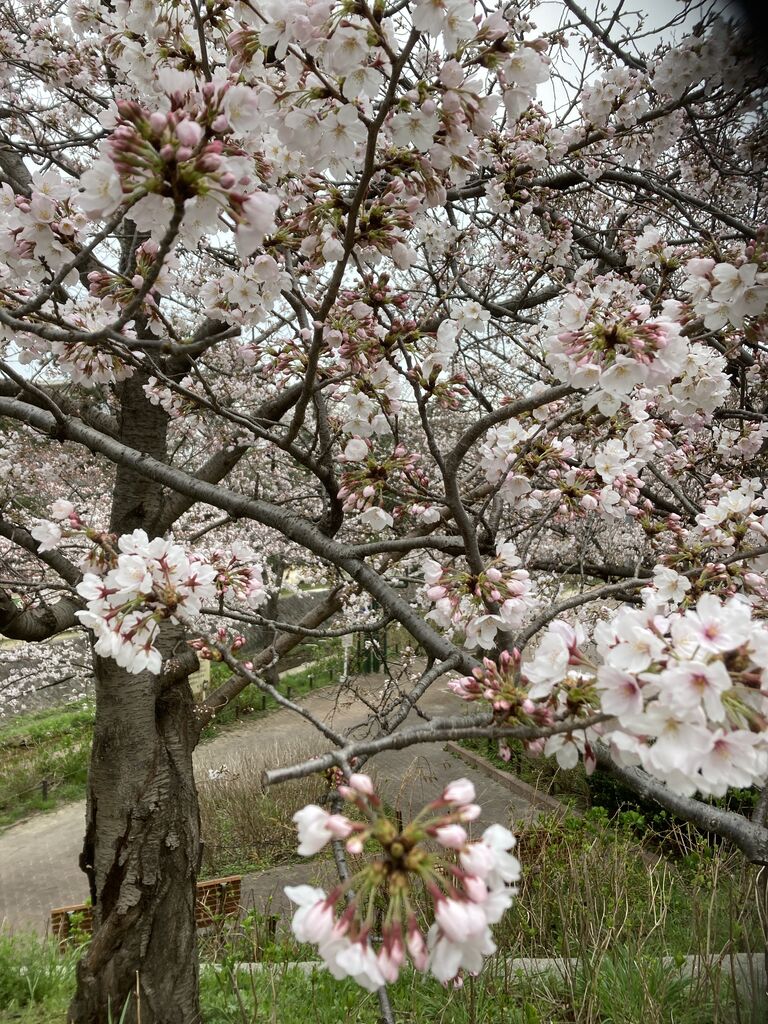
x=245, y=828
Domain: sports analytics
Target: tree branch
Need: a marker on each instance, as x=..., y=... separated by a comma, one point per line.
x=749, y=837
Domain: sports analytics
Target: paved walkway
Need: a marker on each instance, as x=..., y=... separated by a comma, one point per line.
x=39, y=857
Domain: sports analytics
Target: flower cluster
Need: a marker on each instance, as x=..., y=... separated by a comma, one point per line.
x=372, y=479
x=549, y=689
x=733, y=521
x=117, y=291
x=481, y=604
x=725, y=294
x=151, y=155
x=686, y=690
x=134, y=583
x=616, y=355
x=468, y=884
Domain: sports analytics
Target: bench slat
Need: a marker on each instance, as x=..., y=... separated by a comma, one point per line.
x=216, y=899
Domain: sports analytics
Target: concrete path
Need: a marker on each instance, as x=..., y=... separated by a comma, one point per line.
x=39, y=857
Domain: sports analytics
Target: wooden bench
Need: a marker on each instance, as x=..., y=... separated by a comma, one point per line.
x=217, y=900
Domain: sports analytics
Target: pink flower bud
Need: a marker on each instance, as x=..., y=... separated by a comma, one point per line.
x=475, y=888
x=339, y=826
x=209, y=162
x=459, y=792
x=189, y=133
x=361, y=784
x=391, y=956
x=452, y=837
x=355, y=845
x=417, y=947
x=157, y=122
x=469, y=812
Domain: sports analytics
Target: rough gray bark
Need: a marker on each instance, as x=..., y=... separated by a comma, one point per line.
x=141, y=855
x=38, y=623
x=142, y=844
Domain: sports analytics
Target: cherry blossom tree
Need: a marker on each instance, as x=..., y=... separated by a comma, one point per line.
x=459, y=310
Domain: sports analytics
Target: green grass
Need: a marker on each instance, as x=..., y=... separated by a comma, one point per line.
x=586, y=885
x=55, y=744
x=586, y=893
x=36, y=984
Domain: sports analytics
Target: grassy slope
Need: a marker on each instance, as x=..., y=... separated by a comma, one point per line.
x=55, y=744
x=622, y=991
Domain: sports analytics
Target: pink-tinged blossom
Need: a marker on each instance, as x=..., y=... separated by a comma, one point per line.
x=490, y=859
x=670, y=586
x=62, y=509
x=620, y=693
x=391, y=956
x=565, y=747
x=102, y=190
x=416, y=945
x=258, y=221
x=358, y=961
x=314, y=834
x=48, y=535
x=679, y=742
x=691, y=684
x=314, y=920
x=462, y=791
x=376, y=518
x=243, y=109
x=459, y=920
x=735, y=759
x=361, y=783
x=713, y=626
x=356, y=450
x=548, y=666
x=447, y=957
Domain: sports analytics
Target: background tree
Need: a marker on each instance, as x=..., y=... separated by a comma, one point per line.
x=325, y=279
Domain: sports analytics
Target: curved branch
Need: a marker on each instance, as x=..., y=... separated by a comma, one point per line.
x=40, y=622
x=227, y=692
x=459, y=727
x=500, y=415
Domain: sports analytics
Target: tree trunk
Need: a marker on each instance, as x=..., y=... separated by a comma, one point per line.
x=141, y=854
x=142, y=844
